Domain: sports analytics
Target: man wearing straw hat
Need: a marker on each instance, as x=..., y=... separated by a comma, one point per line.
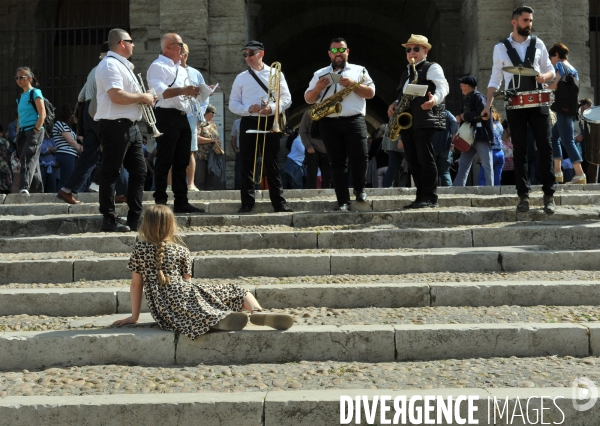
x=428, y=116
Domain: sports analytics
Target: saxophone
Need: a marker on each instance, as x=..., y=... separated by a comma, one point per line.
x=402, y=119
x=332, y=104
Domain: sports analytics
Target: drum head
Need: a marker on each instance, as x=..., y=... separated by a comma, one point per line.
x=592, y=114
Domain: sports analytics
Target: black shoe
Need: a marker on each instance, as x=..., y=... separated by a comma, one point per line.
x=411, y=205
x=523, y=205
x=133, y=225
x=283, y=208
x=245, y=209
x=549, y=205
x=361, y=196
x=343, y=208
x=113, y=224
x=425, y=204
x=187, y=208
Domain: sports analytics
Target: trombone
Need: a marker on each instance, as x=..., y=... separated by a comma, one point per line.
x=273, y=94
x=147, y=111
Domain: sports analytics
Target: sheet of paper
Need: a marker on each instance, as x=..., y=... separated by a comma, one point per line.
x=205, y=92
x=334, y=78
x=416, y=89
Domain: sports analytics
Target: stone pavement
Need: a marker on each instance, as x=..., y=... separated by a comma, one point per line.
x=471, y=298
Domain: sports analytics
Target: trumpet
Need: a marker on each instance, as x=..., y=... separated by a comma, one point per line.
x=273, y=94
x=194, y=105
x=147, y=111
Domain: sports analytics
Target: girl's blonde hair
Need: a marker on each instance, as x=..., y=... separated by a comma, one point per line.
x=159, y=228
x=496, y=115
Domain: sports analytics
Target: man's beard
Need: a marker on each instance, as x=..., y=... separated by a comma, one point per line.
x=334, y=64
x=524, y=31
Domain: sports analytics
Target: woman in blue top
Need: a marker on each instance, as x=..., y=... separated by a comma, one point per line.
x=31, y=131
x=564, y=126
x=497, y=153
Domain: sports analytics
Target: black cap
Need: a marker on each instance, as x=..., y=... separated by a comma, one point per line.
x=254, y=45
x=469, y=79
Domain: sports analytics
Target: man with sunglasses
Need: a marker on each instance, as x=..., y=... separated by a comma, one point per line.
x=117, y=115
x=428, y=116
x=167, y=77
x=344, y=134
x=521, y=48
x=249, y=99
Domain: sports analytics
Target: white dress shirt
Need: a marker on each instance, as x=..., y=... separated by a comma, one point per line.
x=435, y=74
x=352, y=104
x=196, y=79
x=160, y=75
x=88, y=90
x=246, y=91
x=541, y=62
x=115, y=72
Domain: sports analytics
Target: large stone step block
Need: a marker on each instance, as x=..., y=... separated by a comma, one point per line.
x=364, y=343
x=104, y=301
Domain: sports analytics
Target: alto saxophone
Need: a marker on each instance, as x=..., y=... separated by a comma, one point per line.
x=402, y=119
x=332, y=104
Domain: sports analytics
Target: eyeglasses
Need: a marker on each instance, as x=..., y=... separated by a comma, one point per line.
x=20, y=77
x=335, y=50
x=178, y=44
x=416, y=49
x=127, y=41
x=252, y=53
x=211, y=112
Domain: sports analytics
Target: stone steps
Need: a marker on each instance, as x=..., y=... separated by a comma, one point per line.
x=288, y=263
x=364, y=343
x=567, y=234
x=295, y=408
x=104, y=301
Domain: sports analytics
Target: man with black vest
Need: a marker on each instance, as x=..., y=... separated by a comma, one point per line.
x=521, y=48
x=428, y=116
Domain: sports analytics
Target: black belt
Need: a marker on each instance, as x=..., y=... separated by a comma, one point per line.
x=120, y=120
x=173, y=111
x=344, y=117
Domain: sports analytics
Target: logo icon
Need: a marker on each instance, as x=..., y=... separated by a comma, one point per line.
x=584, y=389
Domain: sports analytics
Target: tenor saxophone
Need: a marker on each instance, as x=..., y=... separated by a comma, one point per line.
x=402, y=119
x=332, y=104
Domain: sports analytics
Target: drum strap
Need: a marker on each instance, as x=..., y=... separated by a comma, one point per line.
x=529, y=53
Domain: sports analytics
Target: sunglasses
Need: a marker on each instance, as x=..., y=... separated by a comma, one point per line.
x=127, y=41
x=335, y=50
x=252, y=53
x=20, y=77
x=178, y=44
x=416, y=49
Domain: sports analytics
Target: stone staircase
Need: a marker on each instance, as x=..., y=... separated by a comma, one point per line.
x=472, y=298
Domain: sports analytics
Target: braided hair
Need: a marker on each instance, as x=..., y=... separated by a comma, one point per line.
x=159, y=227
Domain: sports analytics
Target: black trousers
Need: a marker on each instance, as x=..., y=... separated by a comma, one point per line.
x=418, y=151
x=345, y=138
x=271, y=166
x=539, y=121
x=172, y=152
x=314, y=162
x=121, y=145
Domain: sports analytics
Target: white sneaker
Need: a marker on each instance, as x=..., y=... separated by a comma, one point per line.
x=193, y=188
x=94, y=187
x=24, y=192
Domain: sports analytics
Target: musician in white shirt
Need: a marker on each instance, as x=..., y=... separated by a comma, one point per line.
x=246, y=100
x=345, y=133
x=538, y=118
x=118, y=112
x=168, y=78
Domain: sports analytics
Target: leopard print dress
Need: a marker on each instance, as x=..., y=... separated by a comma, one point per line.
x=190, y=309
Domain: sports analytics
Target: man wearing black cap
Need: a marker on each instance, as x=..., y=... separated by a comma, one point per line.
x=91, y=141
x=249, y=99
x=473, y=105
x=526, y=50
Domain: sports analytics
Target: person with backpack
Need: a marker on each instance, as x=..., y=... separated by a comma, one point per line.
x=566, y=103
x=31, y=117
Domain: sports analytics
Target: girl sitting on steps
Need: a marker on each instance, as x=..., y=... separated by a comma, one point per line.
x=164, y=267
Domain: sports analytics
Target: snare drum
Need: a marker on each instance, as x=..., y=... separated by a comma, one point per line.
x=535, y=98
x=591, y=125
